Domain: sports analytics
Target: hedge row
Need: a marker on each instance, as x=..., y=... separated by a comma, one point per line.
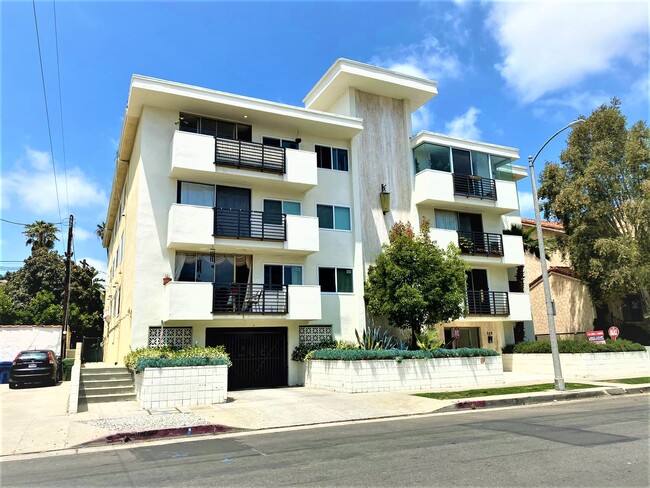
x=189, y=356
x=398, y=354
x=179, y=362
x=576, y=347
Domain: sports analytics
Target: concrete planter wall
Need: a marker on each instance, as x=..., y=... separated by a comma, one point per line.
x=410, y=374
x=182, y=386
x=588, y=365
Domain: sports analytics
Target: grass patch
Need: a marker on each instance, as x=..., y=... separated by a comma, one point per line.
x=506, y=390
x=630, y=381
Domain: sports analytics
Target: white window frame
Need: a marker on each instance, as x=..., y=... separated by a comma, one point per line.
x=302, y=270
x=281, y=139
x=334, y=217
x=282, y=201
x=332, y=159
x=336, y=280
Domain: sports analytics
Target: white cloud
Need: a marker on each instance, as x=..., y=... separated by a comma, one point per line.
x=81, y=234
x=30, y=183
x=526, y=204
x=553, y=45
x=421, y=119
x=98, y=264
x=425, y=59
x=465, y=125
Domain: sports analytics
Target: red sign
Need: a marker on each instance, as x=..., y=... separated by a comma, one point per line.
x=596, y=336
x=613, y=332
x=456, y=333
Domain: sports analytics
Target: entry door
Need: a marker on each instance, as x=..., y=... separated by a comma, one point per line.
x=462, y=162
x=258, y=355
x=233, y=205
x=471, y=227
x=478, y=296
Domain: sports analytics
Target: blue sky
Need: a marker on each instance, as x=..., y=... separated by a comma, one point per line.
x=508, y=73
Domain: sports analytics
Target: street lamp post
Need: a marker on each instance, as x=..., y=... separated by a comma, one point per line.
x=557, y=368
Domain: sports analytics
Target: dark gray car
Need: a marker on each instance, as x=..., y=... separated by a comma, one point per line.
x=37, y=366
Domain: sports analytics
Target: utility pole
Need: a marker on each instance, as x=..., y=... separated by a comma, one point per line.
x=65, y=332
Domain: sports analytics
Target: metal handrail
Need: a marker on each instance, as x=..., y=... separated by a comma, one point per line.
x=249, y=155
x=475, y=186
x=249, y=298
x=249, y=224
x=480, y=243
x=485, y=302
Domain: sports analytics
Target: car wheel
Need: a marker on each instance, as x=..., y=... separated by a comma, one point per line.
x=13, y=385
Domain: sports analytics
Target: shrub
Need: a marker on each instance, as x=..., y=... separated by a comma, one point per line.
x=428, y=340
x=301, y=350
x=397, y=354
x=165, y=357
x=346, y=345
x=577, y=347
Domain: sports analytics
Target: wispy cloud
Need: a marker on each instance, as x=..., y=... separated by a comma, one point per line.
x=421, y=119
x=535, y=38
x=465, y=125
x=30, y=184
x=425, y=59
x=82, y=234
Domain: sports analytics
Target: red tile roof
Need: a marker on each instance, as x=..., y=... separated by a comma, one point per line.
x=545, y=224
x=561, y=270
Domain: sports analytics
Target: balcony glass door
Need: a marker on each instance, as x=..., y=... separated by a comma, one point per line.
x=478, y=296
x=233, y=212
x=462, y=162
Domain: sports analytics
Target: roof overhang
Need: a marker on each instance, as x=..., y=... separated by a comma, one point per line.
x=345, y=73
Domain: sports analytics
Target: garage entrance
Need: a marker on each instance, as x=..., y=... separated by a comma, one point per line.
x=259, y=355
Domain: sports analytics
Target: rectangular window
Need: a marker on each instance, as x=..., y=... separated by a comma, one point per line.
x=277, y=142
x=278, y=274
x=333, y=280
x=281, y=206
x=196, y=194
x=214, y=127
x=332, y=217
x=431, y=156
x=332, y=158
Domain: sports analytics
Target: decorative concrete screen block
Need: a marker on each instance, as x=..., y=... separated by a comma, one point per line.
x=179, y=337
x=314, y=334
x=182, y=386
x=602, y=365
x=410, y=374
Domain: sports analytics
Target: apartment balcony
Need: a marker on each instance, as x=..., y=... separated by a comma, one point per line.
x=498, y=305
x=208, y=159
x=194, y=228
x=450, y=191
x=213, y=301
x=482, y=247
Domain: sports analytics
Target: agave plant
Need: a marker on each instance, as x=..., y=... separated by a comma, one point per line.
x=428, y=340
x=374, y=338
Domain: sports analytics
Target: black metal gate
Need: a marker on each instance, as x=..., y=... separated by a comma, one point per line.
x=259, y=356
x=92, y=351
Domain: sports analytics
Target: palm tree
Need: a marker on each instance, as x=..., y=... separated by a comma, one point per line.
x=100, y=230
x=41, y=235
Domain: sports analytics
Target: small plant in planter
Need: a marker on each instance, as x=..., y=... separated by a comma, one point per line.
x=167, y=278
x=465, y=244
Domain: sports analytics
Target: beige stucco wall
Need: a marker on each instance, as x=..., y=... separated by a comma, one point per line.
x=573, y=306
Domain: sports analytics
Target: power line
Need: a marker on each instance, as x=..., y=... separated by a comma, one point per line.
x=63, y=223
x=58, y=76
x=47, y=112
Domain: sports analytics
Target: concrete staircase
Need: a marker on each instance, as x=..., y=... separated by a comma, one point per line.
x=106, y=384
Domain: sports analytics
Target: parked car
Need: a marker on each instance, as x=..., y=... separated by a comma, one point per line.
x=36, y=366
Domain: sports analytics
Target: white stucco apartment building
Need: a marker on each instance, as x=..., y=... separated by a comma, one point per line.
x=249, y=223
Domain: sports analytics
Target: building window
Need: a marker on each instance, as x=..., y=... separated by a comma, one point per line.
x=277, y=142
x=333, y=217
x=282, y=206
x=195, y=194
x=332, y=158
x=176, y=337
x=278, y=274
x=335, y=280
x=215, y=128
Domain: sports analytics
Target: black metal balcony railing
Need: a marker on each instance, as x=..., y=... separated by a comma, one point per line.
x=249, y=298
x=480, y=243
x=249, y=224
x=249, y=155
x=475, y=186
x=484, y=302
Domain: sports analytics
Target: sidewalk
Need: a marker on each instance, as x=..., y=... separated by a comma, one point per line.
x=35, y=419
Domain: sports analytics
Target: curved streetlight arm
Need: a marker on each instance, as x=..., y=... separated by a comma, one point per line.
x=550, y=312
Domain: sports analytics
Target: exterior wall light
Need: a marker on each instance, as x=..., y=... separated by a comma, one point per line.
x=384, y=198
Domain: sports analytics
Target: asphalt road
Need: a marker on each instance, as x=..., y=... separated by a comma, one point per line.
x=603, y=442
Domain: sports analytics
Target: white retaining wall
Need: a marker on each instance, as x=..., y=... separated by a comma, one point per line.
x=182, y=386
x=410, y=374
x=603, y=365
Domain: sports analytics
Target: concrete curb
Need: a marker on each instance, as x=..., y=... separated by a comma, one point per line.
x=536, y=399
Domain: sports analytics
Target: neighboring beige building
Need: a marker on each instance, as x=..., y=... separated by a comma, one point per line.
x=251, y=224
x=574, y=310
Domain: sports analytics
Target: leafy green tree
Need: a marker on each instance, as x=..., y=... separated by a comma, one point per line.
x=8, y=313
x=415, y=284
x=41, y=235
x=43, y=310
x=600, y=192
